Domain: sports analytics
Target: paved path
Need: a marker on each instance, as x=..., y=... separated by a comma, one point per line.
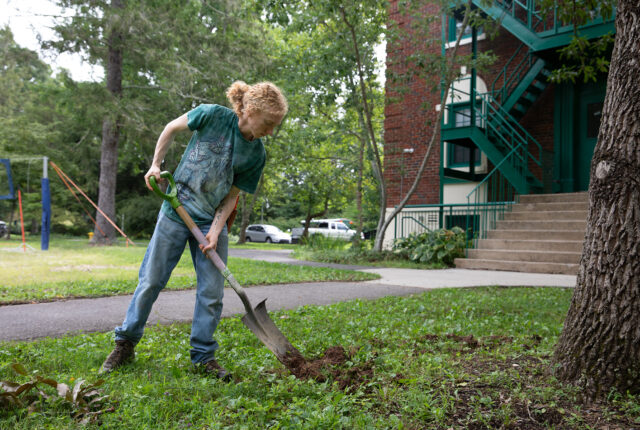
x=446, y=278
x=32, y=321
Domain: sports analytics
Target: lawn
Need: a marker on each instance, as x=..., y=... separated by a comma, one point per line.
x=73, y=268
x=451, y=358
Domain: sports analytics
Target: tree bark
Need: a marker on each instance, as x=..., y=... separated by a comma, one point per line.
x=310, y=216
x=599, y=348
x=110, y=136
x=247, y=211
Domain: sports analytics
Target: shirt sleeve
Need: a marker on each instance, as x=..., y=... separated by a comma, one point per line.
x=248, y=179
x=200, y=116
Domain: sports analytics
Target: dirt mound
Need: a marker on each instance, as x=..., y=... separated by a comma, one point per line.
x=329, y=366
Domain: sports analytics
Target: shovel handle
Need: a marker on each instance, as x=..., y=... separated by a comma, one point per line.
x=172, y=198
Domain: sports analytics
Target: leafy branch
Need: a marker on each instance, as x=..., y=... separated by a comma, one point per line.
x=86, y=402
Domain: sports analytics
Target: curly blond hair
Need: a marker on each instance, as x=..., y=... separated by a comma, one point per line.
x=261, y=97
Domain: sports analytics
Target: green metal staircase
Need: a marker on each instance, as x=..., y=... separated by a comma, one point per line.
x=490, y=122
x=519, y=85
x=497, y=134
x=540, y=32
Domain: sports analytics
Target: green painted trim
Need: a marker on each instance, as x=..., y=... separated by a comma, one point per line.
x=442, y=95
x=448, y=180
x=563, y=133
x=459, y=205
x=564, y=39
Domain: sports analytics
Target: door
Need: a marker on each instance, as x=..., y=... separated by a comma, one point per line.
x=590, y=103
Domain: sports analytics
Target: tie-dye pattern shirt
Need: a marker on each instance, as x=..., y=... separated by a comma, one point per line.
x=217, y=157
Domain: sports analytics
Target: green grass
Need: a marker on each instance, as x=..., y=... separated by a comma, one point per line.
x=73, y=268
x=463, y=359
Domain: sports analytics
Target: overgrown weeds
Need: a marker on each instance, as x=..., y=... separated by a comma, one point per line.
x=84, y=402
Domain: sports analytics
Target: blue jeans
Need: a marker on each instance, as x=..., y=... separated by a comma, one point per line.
x=165, y=249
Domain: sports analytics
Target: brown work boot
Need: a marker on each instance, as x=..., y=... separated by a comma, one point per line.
x=121, y=354
x=212, y=368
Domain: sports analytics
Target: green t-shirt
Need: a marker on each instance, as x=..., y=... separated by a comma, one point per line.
x=217, y=157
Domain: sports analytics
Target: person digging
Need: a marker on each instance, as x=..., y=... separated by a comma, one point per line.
x=224, y=156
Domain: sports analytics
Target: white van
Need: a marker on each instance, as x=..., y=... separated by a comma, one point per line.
x=334, y=227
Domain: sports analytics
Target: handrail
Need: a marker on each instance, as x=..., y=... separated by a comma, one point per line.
x=475, y=218
x=529, y=13
x=490, y=174
x=422, y=225
x=503, y=124
x=509, y=83
x=503, y=74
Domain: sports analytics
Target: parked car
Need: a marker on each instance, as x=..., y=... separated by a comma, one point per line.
x=266, y=233
x=4, y=229
x=335, y=227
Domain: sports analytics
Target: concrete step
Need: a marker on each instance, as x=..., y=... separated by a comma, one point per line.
x=554, y=206
x=517, y=266
x=524, y=256
x=546, y=216
x=531, y=245
x=579, y=225
x=573, y=235
x=555, y=198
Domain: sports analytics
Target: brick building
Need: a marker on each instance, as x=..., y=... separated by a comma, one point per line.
x=506, y=133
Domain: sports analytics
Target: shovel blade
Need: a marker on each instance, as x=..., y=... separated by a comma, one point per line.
x=265, y=330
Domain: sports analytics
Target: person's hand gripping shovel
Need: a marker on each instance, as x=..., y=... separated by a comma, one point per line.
x=257, y=320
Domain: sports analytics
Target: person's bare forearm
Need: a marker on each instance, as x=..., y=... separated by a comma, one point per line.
x=220, y=218
x=224, y=210
x=162, y=146
x=166, y=137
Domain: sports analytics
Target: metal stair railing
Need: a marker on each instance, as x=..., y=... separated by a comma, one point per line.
x=511, y=80
x=527, y=14
x=494, y=188
x=416, y=219
x=543, y=23
x=511, y=133
x=498, y=126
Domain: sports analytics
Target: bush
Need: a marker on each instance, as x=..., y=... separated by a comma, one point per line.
x=433, y=246
x=140, y=214
x=319, y=242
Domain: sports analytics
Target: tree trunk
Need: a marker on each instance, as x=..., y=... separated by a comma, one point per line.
x=599, y=348
x=110, y=137
x=359, y=191
x=310, y=216
x=247, y=211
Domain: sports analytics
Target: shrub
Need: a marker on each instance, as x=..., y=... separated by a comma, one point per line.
x=318, y=241
x=433, y=246
x=140, y=214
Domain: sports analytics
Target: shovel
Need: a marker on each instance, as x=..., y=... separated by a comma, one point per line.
x=257, y=320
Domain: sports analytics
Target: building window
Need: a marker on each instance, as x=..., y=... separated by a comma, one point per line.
x=460, y=156
x=455, y=27
x=460, y=115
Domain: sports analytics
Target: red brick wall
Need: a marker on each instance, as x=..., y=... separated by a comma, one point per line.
x=406, y=125
x=407, y=121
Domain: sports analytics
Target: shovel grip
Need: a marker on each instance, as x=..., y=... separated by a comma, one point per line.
x=171, y=196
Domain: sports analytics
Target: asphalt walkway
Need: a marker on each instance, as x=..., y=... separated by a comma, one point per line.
x=32, y=321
